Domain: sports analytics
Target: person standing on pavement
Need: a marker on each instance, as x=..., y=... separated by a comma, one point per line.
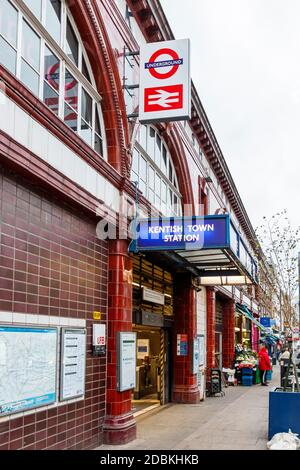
x=264, y=364
x=286, y=354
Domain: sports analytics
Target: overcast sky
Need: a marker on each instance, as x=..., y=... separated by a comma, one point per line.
x=246, y=67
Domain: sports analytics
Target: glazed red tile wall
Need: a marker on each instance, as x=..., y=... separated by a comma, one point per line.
x=228, y=333
x=51, y=263
x=185, y=388
x=119, y=425
x=210, y=326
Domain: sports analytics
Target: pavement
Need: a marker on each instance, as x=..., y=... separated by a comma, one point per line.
x=238, y=421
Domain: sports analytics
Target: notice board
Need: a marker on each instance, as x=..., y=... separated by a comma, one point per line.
x=73, y=360
x=126, y=360
x=28, y=365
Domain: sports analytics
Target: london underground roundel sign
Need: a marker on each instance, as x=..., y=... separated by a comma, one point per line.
x=165, y=85
x=174, y=63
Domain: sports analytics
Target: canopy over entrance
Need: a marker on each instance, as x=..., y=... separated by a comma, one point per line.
x=209, y=246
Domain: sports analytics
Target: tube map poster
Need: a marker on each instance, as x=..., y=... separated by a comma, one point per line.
x=28, y=359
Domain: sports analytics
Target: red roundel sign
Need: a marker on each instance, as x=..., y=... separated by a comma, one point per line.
x=169, y=73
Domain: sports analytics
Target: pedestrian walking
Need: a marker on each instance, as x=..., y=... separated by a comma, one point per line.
x=286, y=354
x=264, y=364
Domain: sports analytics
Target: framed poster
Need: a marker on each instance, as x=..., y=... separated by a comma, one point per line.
x=126, y=360
x=195, y=356
x=143, y=348
x=73, y=363
x=28, y=365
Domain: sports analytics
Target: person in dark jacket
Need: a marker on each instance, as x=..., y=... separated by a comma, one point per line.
x=264, y=364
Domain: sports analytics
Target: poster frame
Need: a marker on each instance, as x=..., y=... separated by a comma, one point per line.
x=56, y=398
x=120, y=334
x=62, y=344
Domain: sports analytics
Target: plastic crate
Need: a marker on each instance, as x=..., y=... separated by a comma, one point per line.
x=247, y=371
x=247, y=380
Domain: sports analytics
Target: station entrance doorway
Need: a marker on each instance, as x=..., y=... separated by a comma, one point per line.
x=152, y=322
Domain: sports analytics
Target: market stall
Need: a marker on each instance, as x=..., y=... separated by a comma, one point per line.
x=246, y=366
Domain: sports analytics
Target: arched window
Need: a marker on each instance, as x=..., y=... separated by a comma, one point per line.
x=153, y=169
x=40, y=44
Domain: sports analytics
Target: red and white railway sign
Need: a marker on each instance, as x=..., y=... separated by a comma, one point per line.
x=165, y=84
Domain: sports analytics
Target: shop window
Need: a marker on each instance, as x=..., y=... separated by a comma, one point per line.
x=71, y=44
x=51, y=78
x=53, y=18
x=35, y=7
x=8, y=22
x=8, y=56
x=71, y=101
x=86, y=116
x=151, y=167
x=84, y=69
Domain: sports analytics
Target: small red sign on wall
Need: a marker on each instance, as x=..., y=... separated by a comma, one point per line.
x=162, y=98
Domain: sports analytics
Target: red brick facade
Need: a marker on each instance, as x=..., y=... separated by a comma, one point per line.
x=228, y=333
x=51, y=263
x=185, y=388
x=210, y=327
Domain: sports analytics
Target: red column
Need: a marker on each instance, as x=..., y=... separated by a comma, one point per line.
x=185, y=388
x=119, y=424
x=210, y=327
x=228, y=333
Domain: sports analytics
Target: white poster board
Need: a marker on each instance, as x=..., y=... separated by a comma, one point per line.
x=28, y=364
x=195, y=356
x=165, y=83
x=73, y=355
x=201, y=350
x=126, y=361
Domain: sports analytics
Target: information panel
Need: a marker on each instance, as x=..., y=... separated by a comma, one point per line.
x=201, y=342
x=28, y=362
x=126, y=361
x=73, y=354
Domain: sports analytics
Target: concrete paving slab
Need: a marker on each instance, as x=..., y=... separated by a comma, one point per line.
x=237, y=421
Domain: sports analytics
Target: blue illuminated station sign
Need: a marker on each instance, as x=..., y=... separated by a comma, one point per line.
x=182, y=233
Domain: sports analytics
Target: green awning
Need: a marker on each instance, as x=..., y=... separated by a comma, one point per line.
x=242, y=309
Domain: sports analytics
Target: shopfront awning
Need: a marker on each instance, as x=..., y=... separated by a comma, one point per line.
x=243, y=310
x=209, y=246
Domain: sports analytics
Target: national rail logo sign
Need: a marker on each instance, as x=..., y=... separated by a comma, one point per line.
x=165, y=84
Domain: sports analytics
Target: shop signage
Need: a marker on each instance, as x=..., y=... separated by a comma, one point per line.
x=126, y=361
x=183, y=233
x=99, y=339
x=73, y=347
x=182, y=345
x=143, y=348
x=165, y=83
x=152, y=319
x=265, y=321
x=153, y=296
